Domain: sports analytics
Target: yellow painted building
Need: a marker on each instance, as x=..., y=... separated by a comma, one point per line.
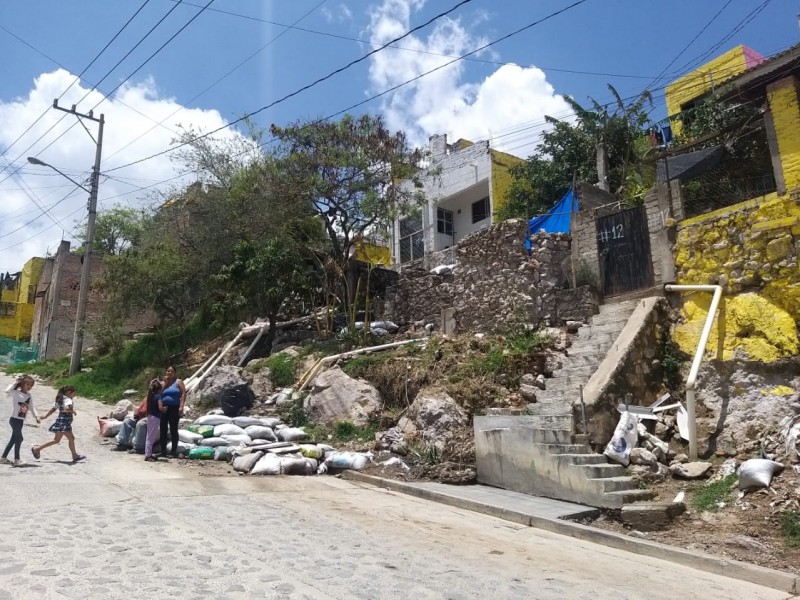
x=16, y=317
x=752, y=248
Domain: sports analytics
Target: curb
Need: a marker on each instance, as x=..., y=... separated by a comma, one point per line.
x=778, y=580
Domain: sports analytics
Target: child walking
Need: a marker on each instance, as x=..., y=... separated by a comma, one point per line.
x=154, y=410
x=21, y=404
x=62, y=426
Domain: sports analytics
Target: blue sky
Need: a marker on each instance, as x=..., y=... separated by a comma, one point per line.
x=628, y=41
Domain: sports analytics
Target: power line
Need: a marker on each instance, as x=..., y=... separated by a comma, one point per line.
x=219, y=80
x=305, y=87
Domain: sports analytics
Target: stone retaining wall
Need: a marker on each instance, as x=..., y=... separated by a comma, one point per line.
x=496, y=284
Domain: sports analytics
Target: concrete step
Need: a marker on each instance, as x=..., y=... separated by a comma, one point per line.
x=566, y=383
x=583, y=459
x=565, y=397
x=617, y=483
x=619, y=318
x=571, y=449
x=572, y=371
x=589, y=347
x=597, y=338
x=619, y=304
x=553, y=422
x=631, y=496
x=594, y=330
x=580, y=361
x=553, y=435
x=556, y=409
x=600, y=470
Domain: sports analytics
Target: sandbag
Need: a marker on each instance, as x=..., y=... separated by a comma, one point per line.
x=201, y=453
x=205, y=431
x=758, y=472
x=624, y=439
x=238, y=439
x=183, y=448
x=245, y=422
x=244, y=464
x=189, y=437
x=213, y=442
x=270, y=422
x=228, y=429
x=347, y=460
x=237, y=400
x=291, y=434
x=296, y=466
x=109, y=427
x=312, y=451
x=140, y=436
x=213, y=420
x=269, y=464
x=258, y=442
x=261, y=432
x=224, y=453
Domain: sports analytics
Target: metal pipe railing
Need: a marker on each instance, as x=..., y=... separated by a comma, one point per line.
x=698, y=356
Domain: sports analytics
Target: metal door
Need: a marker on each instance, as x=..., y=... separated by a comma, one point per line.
x=623, y=244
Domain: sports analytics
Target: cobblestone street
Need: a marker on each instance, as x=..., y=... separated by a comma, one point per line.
x=117, y=527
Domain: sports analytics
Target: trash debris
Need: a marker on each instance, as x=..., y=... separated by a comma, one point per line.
x=109, y=427
x=624, y=439
x=758, y=472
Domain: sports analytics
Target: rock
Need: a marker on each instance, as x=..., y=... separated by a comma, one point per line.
x=129, y=393
x=692, y=470
x=661, y=430
x=122, y=409
x=640, y=456
x=336, y=397
x=528, y=392
x=655, y=473
x=573, y=326
x=553, y=361
x=433, y=413
x=229, y=389
x=748, y=543
x=681, y=458
x=651, y=516
x=527, y=379
x=540, y=382
x=261, y=384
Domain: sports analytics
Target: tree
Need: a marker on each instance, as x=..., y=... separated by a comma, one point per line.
x=115, y=229
x=575, y=150
x=349, y=173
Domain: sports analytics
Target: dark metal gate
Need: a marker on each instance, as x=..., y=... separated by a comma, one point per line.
x=623, y=244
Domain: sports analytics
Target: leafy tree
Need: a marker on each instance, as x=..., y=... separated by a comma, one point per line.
x=349, y=173
x=115, y=229
x=571, y=149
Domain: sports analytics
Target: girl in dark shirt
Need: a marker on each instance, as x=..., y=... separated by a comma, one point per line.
x=153, y=418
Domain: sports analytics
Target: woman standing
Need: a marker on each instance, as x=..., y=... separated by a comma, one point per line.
x=21, y=405
x=65, y=405
x=173, y=397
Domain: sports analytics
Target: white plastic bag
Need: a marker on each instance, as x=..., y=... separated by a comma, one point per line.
x=213, y=420
x=758, y=472
x=269, y=464
x=260, y=432
x=228, y=429
x=624, y=438
x=245, y=422
x=291, y=434
x=243, y=464
x=189, y=437
x=223, y=453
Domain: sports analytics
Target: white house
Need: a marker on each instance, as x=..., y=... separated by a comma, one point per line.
x=460, y=198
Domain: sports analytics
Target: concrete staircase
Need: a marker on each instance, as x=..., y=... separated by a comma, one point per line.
x=536, y=453
x=553, y=406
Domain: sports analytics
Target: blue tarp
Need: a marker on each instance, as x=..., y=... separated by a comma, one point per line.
x=555, y=220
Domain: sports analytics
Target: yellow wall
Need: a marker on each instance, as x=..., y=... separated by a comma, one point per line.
x=373, y=254
x=753, y=250
x=29, y=279
x=704, y=79
x=501, y=178
x=9, y=295
x=19, y=326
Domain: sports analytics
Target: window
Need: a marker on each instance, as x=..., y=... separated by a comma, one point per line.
x=412, y=244
x=444, y=221
x=480, y=210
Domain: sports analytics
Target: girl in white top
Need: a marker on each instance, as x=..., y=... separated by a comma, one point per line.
x=21, y=404
x=62, y=427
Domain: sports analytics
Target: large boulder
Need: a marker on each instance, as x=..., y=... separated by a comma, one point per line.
x=433, y=415
x=228, y=387
x=336, y=397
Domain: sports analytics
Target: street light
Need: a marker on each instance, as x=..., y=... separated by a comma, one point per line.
x=83, y=294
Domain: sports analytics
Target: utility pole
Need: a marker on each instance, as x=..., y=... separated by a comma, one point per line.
x=83, y=294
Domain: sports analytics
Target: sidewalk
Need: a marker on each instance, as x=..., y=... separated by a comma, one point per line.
x=550, y=515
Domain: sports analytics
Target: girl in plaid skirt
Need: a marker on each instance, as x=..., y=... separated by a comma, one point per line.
x=62, y=426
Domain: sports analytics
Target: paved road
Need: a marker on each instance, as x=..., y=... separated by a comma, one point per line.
x=117, y=527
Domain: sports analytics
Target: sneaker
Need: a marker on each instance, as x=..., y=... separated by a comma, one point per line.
x=4, y=461
x=78, y=458
x=150, y=459
x=35, y=452
x=17, y=463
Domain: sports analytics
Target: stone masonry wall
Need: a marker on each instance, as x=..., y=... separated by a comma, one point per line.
x=496, y=283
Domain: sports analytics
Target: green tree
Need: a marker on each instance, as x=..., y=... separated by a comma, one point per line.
x=349, y=173
x=115, y=229
x=606, y=134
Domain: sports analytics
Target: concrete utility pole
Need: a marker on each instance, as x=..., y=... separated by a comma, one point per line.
x=83, y=294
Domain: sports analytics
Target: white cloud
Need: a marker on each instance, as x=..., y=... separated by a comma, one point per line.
x=74, y=154
x=444, y=102
x=340, y=13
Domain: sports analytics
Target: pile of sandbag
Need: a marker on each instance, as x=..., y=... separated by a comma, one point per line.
x=262, y=446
